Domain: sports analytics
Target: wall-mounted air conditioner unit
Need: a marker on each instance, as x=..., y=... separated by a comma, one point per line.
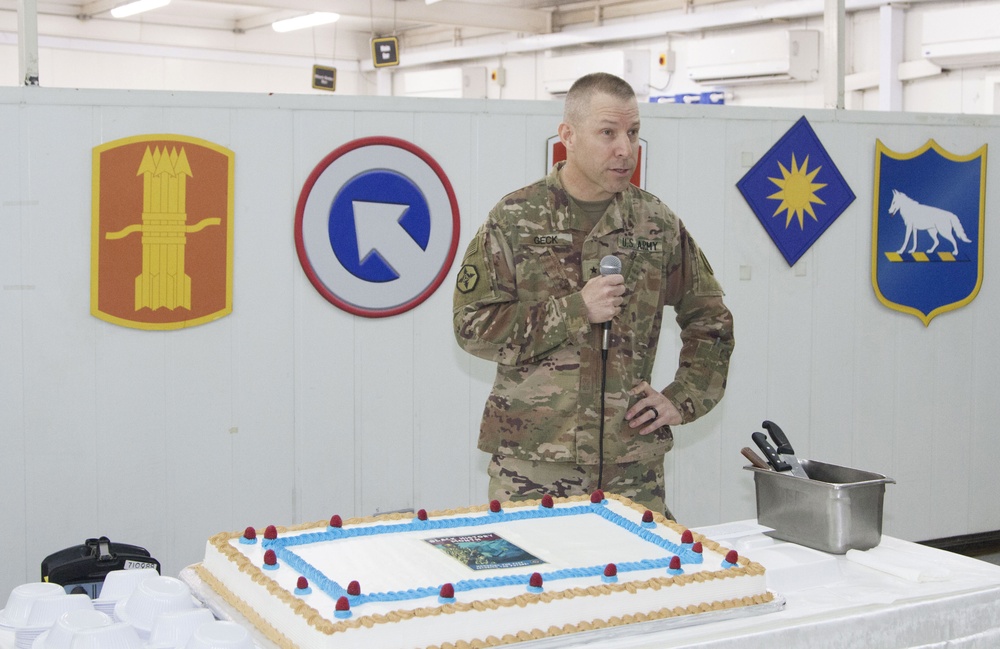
x=976, y=53
x=559, y=72
x=791, y=55
x=962, y=37
x=468, y=82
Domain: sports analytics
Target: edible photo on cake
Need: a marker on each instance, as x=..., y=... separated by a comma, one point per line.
x=485, y=551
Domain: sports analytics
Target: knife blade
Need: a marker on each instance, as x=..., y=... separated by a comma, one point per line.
x=760, y=439
x=754, y=458
x=784, y=449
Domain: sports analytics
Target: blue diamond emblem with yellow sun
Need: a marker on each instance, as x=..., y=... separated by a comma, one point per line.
x=796, y=191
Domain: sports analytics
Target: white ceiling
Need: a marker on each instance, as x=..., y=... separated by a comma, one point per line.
x=379, y=16
x=446, y=31
x=446, y=21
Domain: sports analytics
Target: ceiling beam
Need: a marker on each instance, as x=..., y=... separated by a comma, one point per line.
x=453, y=13
x=647, y=27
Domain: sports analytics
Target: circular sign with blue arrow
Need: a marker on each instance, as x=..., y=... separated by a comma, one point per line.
x=377, y=226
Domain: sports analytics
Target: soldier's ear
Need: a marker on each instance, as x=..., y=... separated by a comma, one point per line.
x=566, y=135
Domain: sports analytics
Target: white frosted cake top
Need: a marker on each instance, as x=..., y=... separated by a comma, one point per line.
x=385, y=575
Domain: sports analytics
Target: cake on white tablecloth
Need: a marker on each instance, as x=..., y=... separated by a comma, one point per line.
x=475, y=577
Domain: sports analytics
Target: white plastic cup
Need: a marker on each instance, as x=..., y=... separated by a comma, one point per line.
x=119, y=584
x=220, y=635
x=15, y=613
x=114, y=636
x=60, y=636
x=175, y=628
x=46, y=610
x=152, y=597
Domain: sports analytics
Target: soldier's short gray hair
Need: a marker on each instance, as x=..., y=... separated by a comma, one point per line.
x=583, y=89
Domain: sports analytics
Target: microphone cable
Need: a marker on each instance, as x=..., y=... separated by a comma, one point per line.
x=610, y=265
x=600, y=435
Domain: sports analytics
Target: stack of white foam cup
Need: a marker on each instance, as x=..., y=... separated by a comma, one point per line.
x=136, y=609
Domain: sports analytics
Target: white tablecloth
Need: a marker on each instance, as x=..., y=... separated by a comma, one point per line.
x=832, y=602
x=901, y=595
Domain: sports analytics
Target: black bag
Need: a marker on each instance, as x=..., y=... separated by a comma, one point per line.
x=81, y=568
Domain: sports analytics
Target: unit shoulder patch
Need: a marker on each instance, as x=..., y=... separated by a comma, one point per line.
x=468, y=277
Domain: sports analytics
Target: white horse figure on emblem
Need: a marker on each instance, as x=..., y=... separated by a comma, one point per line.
x=934, y=220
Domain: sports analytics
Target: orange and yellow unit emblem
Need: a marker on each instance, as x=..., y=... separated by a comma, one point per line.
x=162, y=232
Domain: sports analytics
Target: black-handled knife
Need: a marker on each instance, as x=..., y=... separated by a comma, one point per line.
x=760, y=439
x=784, y=448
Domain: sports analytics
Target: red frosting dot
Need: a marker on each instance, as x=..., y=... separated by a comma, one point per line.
x=536, y=580
x=343, y=604
x=250, y=533
x=732, y=556
x=610, y=570
x=597, y=497
x=354, y=588
x=675, y=562
x=448, y=591
x=647, y=516
x=422, y=514
x=270, y=532
x=495, y=506
x=687, y=537
x=270, y=558
x=547, y=501
x=335, y=521
x=697, y=547
x=302, y=583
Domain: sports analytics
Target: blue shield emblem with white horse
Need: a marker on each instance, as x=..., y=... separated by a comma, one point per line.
x=927, y=229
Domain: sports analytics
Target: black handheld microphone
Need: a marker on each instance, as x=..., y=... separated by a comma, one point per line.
x=610, y=265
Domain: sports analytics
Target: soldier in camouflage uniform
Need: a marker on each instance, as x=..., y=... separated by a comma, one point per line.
x=530, y=296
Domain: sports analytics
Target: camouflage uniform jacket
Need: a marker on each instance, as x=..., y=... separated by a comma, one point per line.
x=517, y=302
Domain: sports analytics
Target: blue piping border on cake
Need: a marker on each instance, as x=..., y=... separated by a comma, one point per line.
x=282, y=548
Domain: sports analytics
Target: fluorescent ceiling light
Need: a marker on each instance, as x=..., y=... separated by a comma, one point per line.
x=430, y=2
x=308, y=20
x=137, y=7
